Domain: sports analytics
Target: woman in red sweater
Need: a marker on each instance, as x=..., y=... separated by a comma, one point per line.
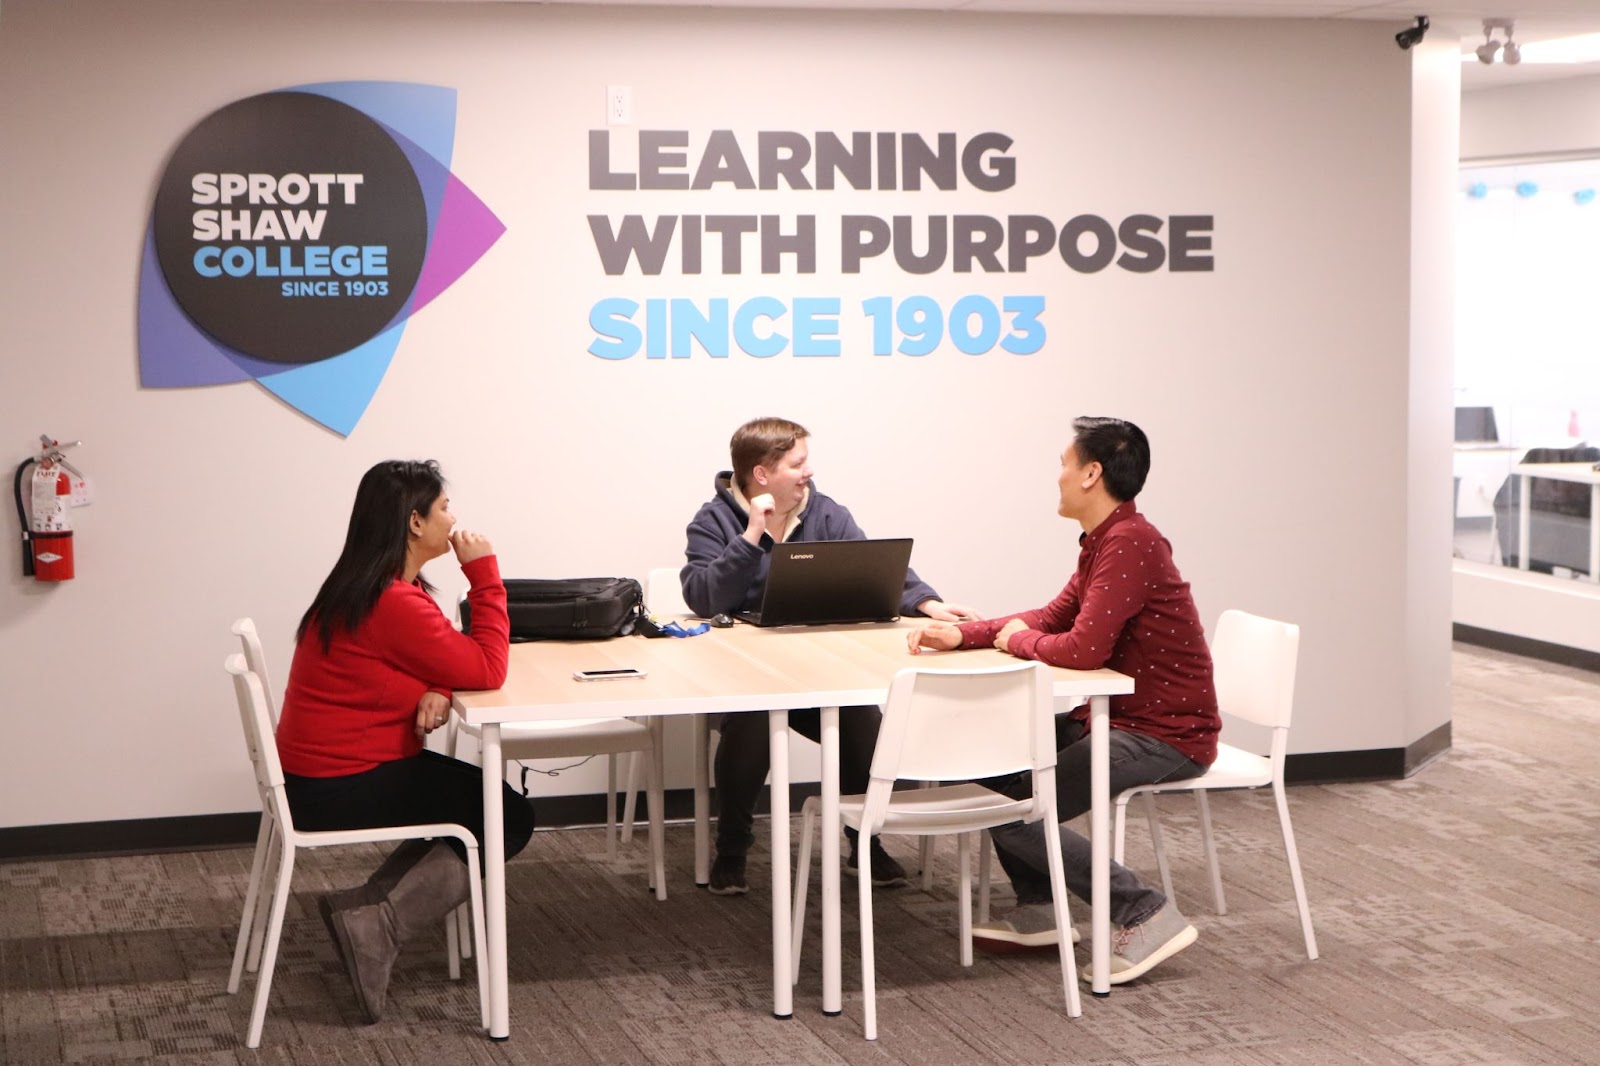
x=375, y=661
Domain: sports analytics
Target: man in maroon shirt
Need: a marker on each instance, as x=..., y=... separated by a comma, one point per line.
x=1126, y=608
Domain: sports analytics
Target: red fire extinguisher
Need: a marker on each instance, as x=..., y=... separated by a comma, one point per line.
x=47, y=531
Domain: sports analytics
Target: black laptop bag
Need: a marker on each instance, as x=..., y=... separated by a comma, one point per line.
x=572, y=608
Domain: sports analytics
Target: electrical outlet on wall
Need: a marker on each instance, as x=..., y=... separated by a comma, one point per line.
x=619, y=105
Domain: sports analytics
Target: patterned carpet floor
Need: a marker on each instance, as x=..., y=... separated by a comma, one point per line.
x=1457, y=912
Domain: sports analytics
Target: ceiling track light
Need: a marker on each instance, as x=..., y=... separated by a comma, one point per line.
x=1507, y=49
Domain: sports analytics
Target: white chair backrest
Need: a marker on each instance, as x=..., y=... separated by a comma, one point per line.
x=256, y=659
x=259, y=738
x=663, y=592
x=1254, y=660
x=956, y=725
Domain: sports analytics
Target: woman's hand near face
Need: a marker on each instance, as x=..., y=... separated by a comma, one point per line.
x=469, y=545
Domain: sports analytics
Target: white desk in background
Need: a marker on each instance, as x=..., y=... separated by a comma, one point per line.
x=1583, y=473
x=751, y=669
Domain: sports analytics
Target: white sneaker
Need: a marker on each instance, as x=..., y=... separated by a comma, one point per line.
x=1135, y=949
x=1028, y=927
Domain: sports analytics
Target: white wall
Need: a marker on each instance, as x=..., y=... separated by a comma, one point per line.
x=1523, y=604
x=1435, y=125
x=1276, y=390
x=1533, y=119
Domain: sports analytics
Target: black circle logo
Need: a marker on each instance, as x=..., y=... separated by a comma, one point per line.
x=290, y=227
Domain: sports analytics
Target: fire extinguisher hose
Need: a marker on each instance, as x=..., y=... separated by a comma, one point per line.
x=22, y=518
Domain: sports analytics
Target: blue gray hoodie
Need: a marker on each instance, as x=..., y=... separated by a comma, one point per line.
x=726, y=573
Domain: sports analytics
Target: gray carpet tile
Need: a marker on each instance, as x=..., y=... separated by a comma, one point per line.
x=1457, y=912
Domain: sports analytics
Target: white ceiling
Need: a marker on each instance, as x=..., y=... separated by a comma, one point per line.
x=1536, y=20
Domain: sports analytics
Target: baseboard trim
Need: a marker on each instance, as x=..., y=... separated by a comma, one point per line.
x=1527, y=647
x=136, y=836
x=1424, y=750
x=207, y=832
x=146, y=836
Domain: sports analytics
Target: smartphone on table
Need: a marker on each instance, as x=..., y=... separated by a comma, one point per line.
x=607, y=675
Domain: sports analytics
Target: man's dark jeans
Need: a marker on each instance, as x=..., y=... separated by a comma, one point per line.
x=1135, y=760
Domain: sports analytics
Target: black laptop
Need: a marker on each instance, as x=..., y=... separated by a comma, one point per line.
x=826, y=582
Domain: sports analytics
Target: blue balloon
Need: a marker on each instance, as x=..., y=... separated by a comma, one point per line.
x=1526, y=189
x=1583, y=196
x=1477, y=190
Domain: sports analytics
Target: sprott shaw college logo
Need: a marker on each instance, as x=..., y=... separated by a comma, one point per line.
x=293, y=235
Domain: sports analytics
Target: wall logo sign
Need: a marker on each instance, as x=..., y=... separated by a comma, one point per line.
x=295, y=232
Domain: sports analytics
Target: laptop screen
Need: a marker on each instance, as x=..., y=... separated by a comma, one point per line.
x=834, y=581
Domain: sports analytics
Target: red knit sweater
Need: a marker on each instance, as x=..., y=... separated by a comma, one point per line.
x=1127, y=608
x=354, y=706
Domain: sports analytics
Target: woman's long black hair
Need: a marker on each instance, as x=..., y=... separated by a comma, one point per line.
x=374, y=546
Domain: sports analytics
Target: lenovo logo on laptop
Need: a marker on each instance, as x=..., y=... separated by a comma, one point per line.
x=806, y=555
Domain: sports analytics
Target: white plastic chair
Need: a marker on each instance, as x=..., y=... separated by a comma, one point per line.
x=268, y=839
x=1254, y=661
x=579, y=737
x=951, y=725
x=255, y=918
x=258, y=734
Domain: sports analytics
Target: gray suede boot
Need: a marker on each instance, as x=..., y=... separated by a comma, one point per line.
x=378, y=886
x=370, y=936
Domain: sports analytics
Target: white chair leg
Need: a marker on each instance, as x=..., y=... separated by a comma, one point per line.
x=1158, y=842
x=964, y=859
x=869, y=962
x=611, y=806
x=1058, y=893
x=1211, y=850
x=1119, y=828
x=655, y=770
x=475, y=888
x=269, y=953
x=802, y=869
x=258, y=926
x=702, y=800
x=452, y=946
x=985, y=860
x=252, y=900
x=630, y=802
x=1294, y=870
x=925, y=862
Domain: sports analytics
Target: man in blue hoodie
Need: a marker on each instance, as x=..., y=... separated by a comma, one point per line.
x=768, y=498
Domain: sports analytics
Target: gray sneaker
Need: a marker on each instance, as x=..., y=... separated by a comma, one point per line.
x=1137, y=948
x=1028, y=927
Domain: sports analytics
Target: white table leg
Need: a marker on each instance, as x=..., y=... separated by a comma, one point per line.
x=831, y=947
x=494, y=860
x=1522, y=520
x=782, y=928
x=1100, y=838
x=658, y=815
x=702, y=800
x=1594, y=532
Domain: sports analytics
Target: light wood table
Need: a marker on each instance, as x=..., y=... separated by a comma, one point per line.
x=750, y=669
x=1583, y=473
